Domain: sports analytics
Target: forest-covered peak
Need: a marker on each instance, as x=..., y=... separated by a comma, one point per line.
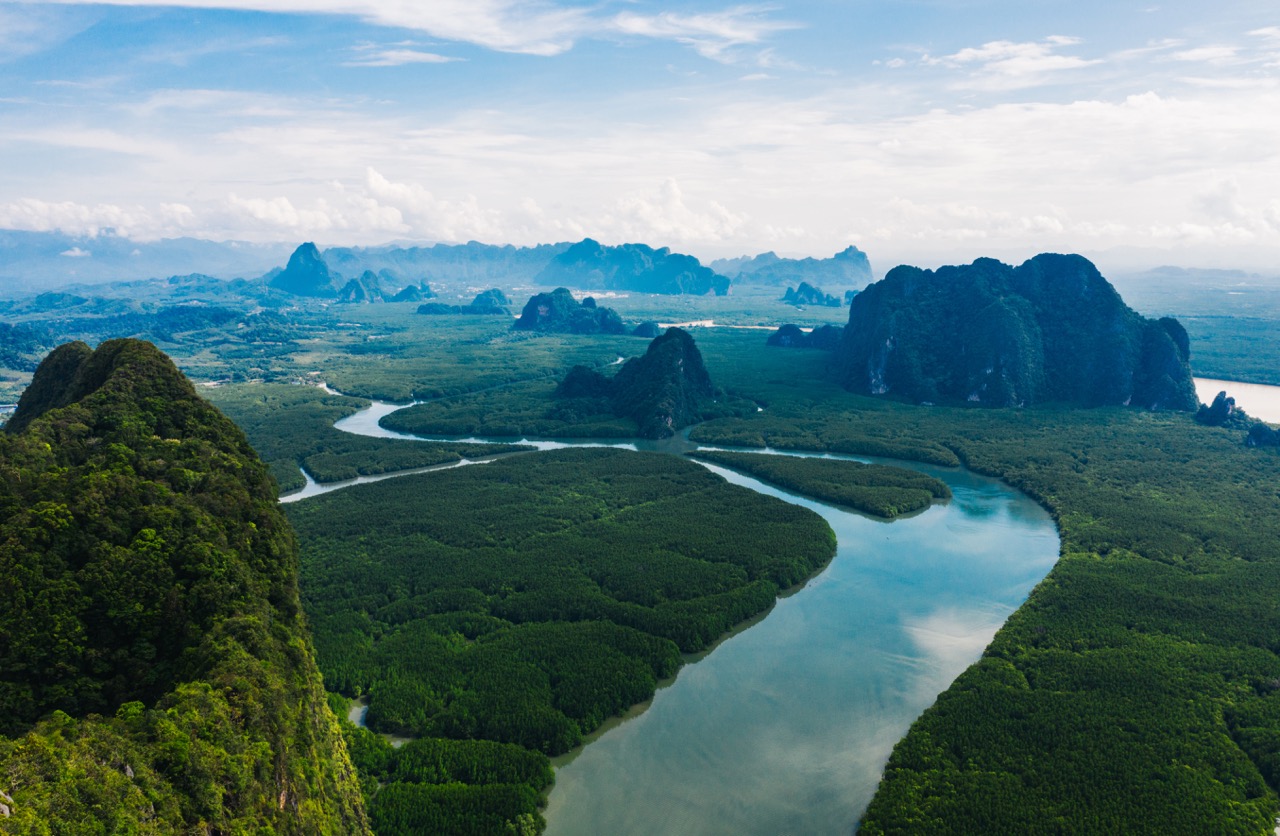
x=1051, y=329
x=155, y=665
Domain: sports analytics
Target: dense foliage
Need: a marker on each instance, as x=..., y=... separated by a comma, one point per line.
x=292, y=427
x=526, y=601
x=882, y=490
x=1050, y=330
x=19, y=346
x=435, y=785
x=1134, y=692
x=155, y=672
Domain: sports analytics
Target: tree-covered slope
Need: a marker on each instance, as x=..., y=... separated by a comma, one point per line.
x=1136, y=690
x=1050, y=330
x=156, y=675
x=525, y=602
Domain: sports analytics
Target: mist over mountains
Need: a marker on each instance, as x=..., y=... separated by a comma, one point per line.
x=31, y=262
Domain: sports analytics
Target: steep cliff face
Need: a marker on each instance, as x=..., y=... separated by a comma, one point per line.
x=666, y=388
x=156, y=674
x=1050, y=330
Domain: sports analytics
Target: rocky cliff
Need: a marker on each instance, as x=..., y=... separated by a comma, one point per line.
x=1050, y=330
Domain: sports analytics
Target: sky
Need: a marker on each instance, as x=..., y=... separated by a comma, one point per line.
x=921, y=131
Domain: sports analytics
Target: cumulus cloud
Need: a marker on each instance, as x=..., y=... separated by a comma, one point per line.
x=664, y=215
x=73, y=218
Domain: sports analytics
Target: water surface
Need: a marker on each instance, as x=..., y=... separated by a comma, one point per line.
x=785, y=726
x=1257, y=399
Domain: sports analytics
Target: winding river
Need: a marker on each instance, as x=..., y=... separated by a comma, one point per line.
x=785, y=727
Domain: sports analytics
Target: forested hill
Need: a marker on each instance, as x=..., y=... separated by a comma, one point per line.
x=156, y=675
x=1050, y=330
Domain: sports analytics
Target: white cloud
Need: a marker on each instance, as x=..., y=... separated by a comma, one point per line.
x=1007, y=65
x=664, y=216
x=534, y=27
x=1216, y=55
x=76, y=252
x=395, y=55
x=712, y=34
x=74, y=218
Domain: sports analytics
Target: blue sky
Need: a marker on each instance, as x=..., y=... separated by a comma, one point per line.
x=926, y=132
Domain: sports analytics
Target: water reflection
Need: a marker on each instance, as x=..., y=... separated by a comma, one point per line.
x=786, y=726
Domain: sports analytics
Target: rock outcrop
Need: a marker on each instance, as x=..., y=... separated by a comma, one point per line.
x=664, y=390
x=492, y=302
x=559, y=312
x=826, y=337
x=307, y=274
x=807, y=294
x=1050, y=330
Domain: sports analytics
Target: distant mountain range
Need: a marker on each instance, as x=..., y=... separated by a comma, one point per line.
x=847, y=268
x=33, y=261
x=590, y=265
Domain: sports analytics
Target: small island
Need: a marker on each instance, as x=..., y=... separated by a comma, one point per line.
x=876, y=489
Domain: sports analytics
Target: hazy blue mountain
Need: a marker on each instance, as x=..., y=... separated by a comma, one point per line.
x=1052, y=329
x=591, y=265
x=307, y=274
x=472, y=263
x=31, y=261
x=847, y=267
x=366, y=288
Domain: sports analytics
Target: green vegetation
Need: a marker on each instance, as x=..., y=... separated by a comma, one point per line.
x=882, y=490
x=1135, y=691
x=526, y=601
x=155, y=672
x=522, y=409
x=449, y=786
x=293, y=425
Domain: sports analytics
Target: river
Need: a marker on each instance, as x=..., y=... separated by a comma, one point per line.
x=786, y=725
x=1258, y=400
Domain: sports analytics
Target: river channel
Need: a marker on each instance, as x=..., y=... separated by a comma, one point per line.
x=784, y=727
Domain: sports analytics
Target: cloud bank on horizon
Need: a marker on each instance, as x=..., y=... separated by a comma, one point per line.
x=923, y=131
